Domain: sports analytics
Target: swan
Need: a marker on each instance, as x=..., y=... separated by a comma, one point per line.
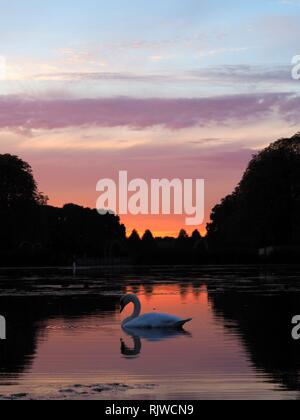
x=151, y=320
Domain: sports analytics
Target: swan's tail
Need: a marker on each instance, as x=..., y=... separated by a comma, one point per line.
x=180, y=324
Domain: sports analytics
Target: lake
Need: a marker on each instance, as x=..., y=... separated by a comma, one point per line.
x=65, y=341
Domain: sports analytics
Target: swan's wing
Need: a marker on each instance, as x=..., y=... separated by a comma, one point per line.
x=156, y=320
x=156, y=334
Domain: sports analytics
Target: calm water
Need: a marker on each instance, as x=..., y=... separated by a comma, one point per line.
x=64, y=337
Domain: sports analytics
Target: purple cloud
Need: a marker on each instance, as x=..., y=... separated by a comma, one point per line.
x=26, y=114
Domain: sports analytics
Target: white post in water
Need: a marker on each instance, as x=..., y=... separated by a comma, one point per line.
x=2, y=328
x=74, y=268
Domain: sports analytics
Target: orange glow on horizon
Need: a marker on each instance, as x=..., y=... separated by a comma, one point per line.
x=160, y=226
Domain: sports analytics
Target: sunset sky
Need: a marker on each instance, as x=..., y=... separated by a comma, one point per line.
x=172, y=88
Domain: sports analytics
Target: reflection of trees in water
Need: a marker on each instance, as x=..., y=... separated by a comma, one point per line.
x=27, y=318
x=184, y=289
x=263, y=322
x=198, y=287
x=133, y=288
x=22, y=331
x=149, y=289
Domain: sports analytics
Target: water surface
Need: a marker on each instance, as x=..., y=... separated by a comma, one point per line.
x=64, y=338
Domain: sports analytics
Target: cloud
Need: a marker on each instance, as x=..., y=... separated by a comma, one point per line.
x=269, y=78
x=35, y=114
x=245, y=74
x=218, y=51
x=118, y=76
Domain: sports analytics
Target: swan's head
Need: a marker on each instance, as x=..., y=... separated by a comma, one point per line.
x=126, y=300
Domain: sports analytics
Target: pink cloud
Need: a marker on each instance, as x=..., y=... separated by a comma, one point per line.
x=26, y=114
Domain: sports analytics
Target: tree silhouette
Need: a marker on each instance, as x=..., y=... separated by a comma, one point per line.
x=134, y=237
x=149, y=247
x=148, y=236
x=17, y=185
x=134, y=246
x=183, y=235
x=34, y=233
x=264, y=208
x=196, y=235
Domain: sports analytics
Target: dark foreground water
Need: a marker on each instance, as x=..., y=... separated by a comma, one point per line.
x=64, y=338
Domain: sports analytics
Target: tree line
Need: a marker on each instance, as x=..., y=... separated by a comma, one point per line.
x=261, y=214
x=34, y=233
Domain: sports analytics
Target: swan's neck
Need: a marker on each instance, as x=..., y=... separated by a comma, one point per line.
x=136, y=311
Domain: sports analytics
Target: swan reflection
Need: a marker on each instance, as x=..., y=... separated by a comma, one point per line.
x=147, y=334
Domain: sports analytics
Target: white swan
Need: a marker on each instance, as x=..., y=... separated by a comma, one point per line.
x=151, y=320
